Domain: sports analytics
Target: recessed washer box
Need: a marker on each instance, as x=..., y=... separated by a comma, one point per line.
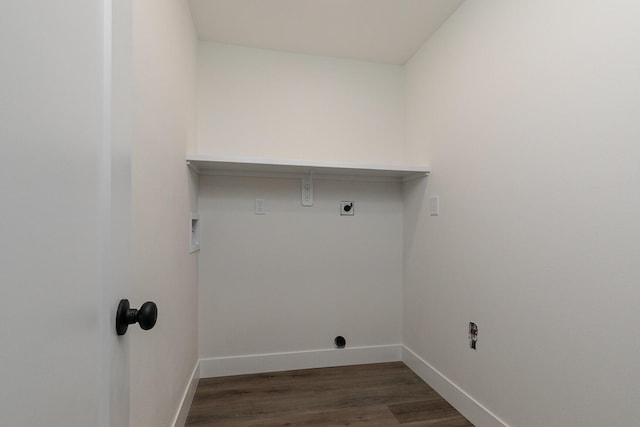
x=194, y=238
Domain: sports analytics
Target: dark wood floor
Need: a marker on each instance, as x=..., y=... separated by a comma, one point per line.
x=382, y=394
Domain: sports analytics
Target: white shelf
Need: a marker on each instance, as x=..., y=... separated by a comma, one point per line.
x=210, y=165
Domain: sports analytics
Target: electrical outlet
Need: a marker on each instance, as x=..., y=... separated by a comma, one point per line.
x=347, y=208
x=434, y=205
x=260, y=207
x=473, y=335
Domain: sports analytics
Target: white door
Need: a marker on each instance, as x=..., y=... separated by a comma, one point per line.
x=64, y=213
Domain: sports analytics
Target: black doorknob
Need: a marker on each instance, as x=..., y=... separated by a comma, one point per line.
x=146, y=316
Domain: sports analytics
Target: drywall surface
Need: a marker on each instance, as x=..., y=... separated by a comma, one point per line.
x=295, y=278
x=261, y=103
x=528, y=113
x=162, y=359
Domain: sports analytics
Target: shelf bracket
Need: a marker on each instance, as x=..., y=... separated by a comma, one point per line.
x=193, y=167
x=307, y=189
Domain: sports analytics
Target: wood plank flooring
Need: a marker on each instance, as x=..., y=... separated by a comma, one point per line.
x=381, y=394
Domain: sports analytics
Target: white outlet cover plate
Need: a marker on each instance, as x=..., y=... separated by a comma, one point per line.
x=434, y=202
x=260, y=207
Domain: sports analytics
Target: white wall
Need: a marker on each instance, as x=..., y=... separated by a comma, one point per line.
x=292, y=280
x=261, y=103
x=295, y=278
x=528, y=113
x=162, y=359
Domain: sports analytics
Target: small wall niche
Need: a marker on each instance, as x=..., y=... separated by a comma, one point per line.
x=194, y=239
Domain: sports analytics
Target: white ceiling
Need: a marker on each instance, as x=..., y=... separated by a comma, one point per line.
x=388, y=31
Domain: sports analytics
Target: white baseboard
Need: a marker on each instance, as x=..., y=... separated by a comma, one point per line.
x=187, y=398
x=273, y=362
x=458, y=398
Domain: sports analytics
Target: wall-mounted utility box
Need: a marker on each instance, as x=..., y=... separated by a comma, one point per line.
x=194, y=237
x=347, y=208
